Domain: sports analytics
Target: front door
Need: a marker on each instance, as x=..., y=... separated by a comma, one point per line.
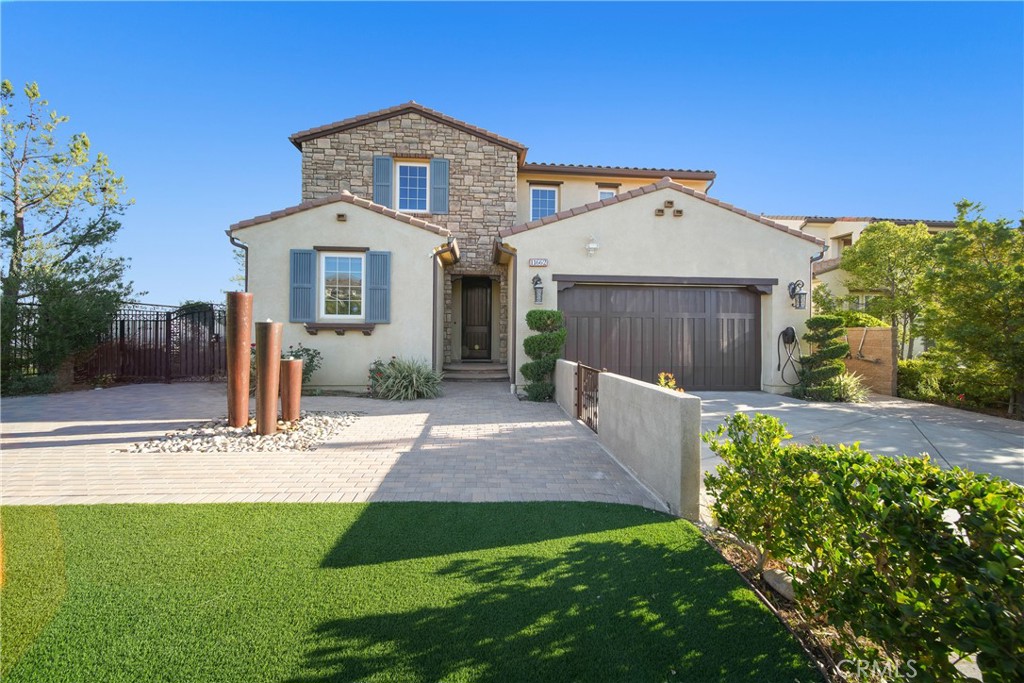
x=476, y=318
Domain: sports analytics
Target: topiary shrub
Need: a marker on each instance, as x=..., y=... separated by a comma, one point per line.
x=544, y=348
x=819, y=370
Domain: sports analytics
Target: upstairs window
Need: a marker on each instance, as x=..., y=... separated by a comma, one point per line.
x=412, y=187
x=605, y=194
x=543, y=202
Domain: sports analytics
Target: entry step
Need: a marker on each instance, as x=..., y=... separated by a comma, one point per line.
x=476, y=372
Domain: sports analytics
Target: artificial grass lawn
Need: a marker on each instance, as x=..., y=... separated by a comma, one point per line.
x=379, y=592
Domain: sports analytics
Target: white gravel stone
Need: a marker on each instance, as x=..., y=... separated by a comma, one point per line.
x=215, y=436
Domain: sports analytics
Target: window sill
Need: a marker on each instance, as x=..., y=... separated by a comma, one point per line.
x=341, y=328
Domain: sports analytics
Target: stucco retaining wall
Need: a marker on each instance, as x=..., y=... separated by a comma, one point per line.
x=565, y=386
x=655, y=434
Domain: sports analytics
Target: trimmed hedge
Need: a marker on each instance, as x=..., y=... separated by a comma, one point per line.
x=908, y=562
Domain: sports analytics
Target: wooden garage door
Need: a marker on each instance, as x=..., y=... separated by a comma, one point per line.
x=709, y=338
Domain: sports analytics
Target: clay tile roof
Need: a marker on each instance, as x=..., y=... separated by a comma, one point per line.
x=348, y=198
x=664, y=183
x=866, y=219
x=616, y=171
x=819, y=267
x=408, y=107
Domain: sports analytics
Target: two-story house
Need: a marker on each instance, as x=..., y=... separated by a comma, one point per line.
x=420, y=235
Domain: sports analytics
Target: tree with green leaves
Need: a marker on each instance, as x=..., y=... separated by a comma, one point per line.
x=59, y=213
x=976, y=289
x=890, y=260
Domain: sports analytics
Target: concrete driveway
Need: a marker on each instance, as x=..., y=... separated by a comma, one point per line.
x=885, y=425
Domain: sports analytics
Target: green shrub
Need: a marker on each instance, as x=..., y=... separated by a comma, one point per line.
x=402, y=379
x=848, y=388
x=24, y=385
x=819, y=369
x=905, y=561
x=544, y=348
x=538, y=346
x=860, y=319
x=540, y=391
x=544, y=320
x=539, y=370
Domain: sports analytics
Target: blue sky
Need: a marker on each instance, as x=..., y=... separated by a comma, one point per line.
x=882, y=109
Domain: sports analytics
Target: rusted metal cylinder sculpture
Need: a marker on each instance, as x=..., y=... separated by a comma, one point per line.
x=239, y=340
x=291, y=388
x=268, y=375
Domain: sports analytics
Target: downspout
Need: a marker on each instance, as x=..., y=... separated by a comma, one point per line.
x=245, y=249
x=707, y=190
x=810, y=280
x=513, y=294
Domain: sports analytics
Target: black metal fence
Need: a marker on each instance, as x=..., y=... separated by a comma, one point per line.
x=586, y=395
x=144, y=342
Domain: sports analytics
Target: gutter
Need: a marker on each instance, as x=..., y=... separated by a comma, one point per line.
x=245, y=248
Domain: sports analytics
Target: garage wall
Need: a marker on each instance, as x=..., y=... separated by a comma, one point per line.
x=707, y=241
x=346, y=358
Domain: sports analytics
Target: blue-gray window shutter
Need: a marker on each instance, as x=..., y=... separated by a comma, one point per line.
x=438, y=186
x=378, y=286
x=383, y=168
x=302, y=298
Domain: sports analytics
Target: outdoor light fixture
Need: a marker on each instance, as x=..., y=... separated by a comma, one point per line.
x=797, y=294
x=592, y=246
x=538, y=290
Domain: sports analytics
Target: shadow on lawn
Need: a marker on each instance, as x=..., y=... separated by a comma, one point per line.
x=602, y=610
x=433, y=529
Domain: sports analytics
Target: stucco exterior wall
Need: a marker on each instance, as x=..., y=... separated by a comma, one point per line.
x=655, y=434
x=565, y=386
x=707, y=241
x=346, y=359
x=579, y=190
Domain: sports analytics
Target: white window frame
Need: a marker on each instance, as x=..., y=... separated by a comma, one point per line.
x=546, y=188
x=322, y=286
x=602, y=190
x=398, y=184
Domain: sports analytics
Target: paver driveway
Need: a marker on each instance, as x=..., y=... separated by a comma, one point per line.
x=478, y=443
x=885, y=425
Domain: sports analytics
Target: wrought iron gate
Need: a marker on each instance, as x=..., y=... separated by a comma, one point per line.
x=586, y=394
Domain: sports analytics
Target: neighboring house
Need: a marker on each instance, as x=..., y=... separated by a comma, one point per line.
x=421, y=235
x=840, y=233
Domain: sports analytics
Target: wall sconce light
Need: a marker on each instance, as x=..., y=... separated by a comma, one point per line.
x=797, y=294
x=538, y=290
x=592, y=246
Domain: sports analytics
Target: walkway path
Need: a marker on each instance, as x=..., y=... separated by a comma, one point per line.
x=478, y=443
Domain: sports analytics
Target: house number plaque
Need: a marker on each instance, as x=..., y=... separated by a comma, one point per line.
x=538, y=263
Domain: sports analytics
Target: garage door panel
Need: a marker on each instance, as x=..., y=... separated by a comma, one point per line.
x=708, y=337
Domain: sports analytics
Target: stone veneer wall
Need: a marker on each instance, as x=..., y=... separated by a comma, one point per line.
x=481, y=200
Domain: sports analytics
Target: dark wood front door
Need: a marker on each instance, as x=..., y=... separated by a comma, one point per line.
x=476, y=318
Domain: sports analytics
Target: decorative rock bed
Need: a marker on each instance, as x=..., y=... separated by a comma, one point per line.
x=304, y=434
